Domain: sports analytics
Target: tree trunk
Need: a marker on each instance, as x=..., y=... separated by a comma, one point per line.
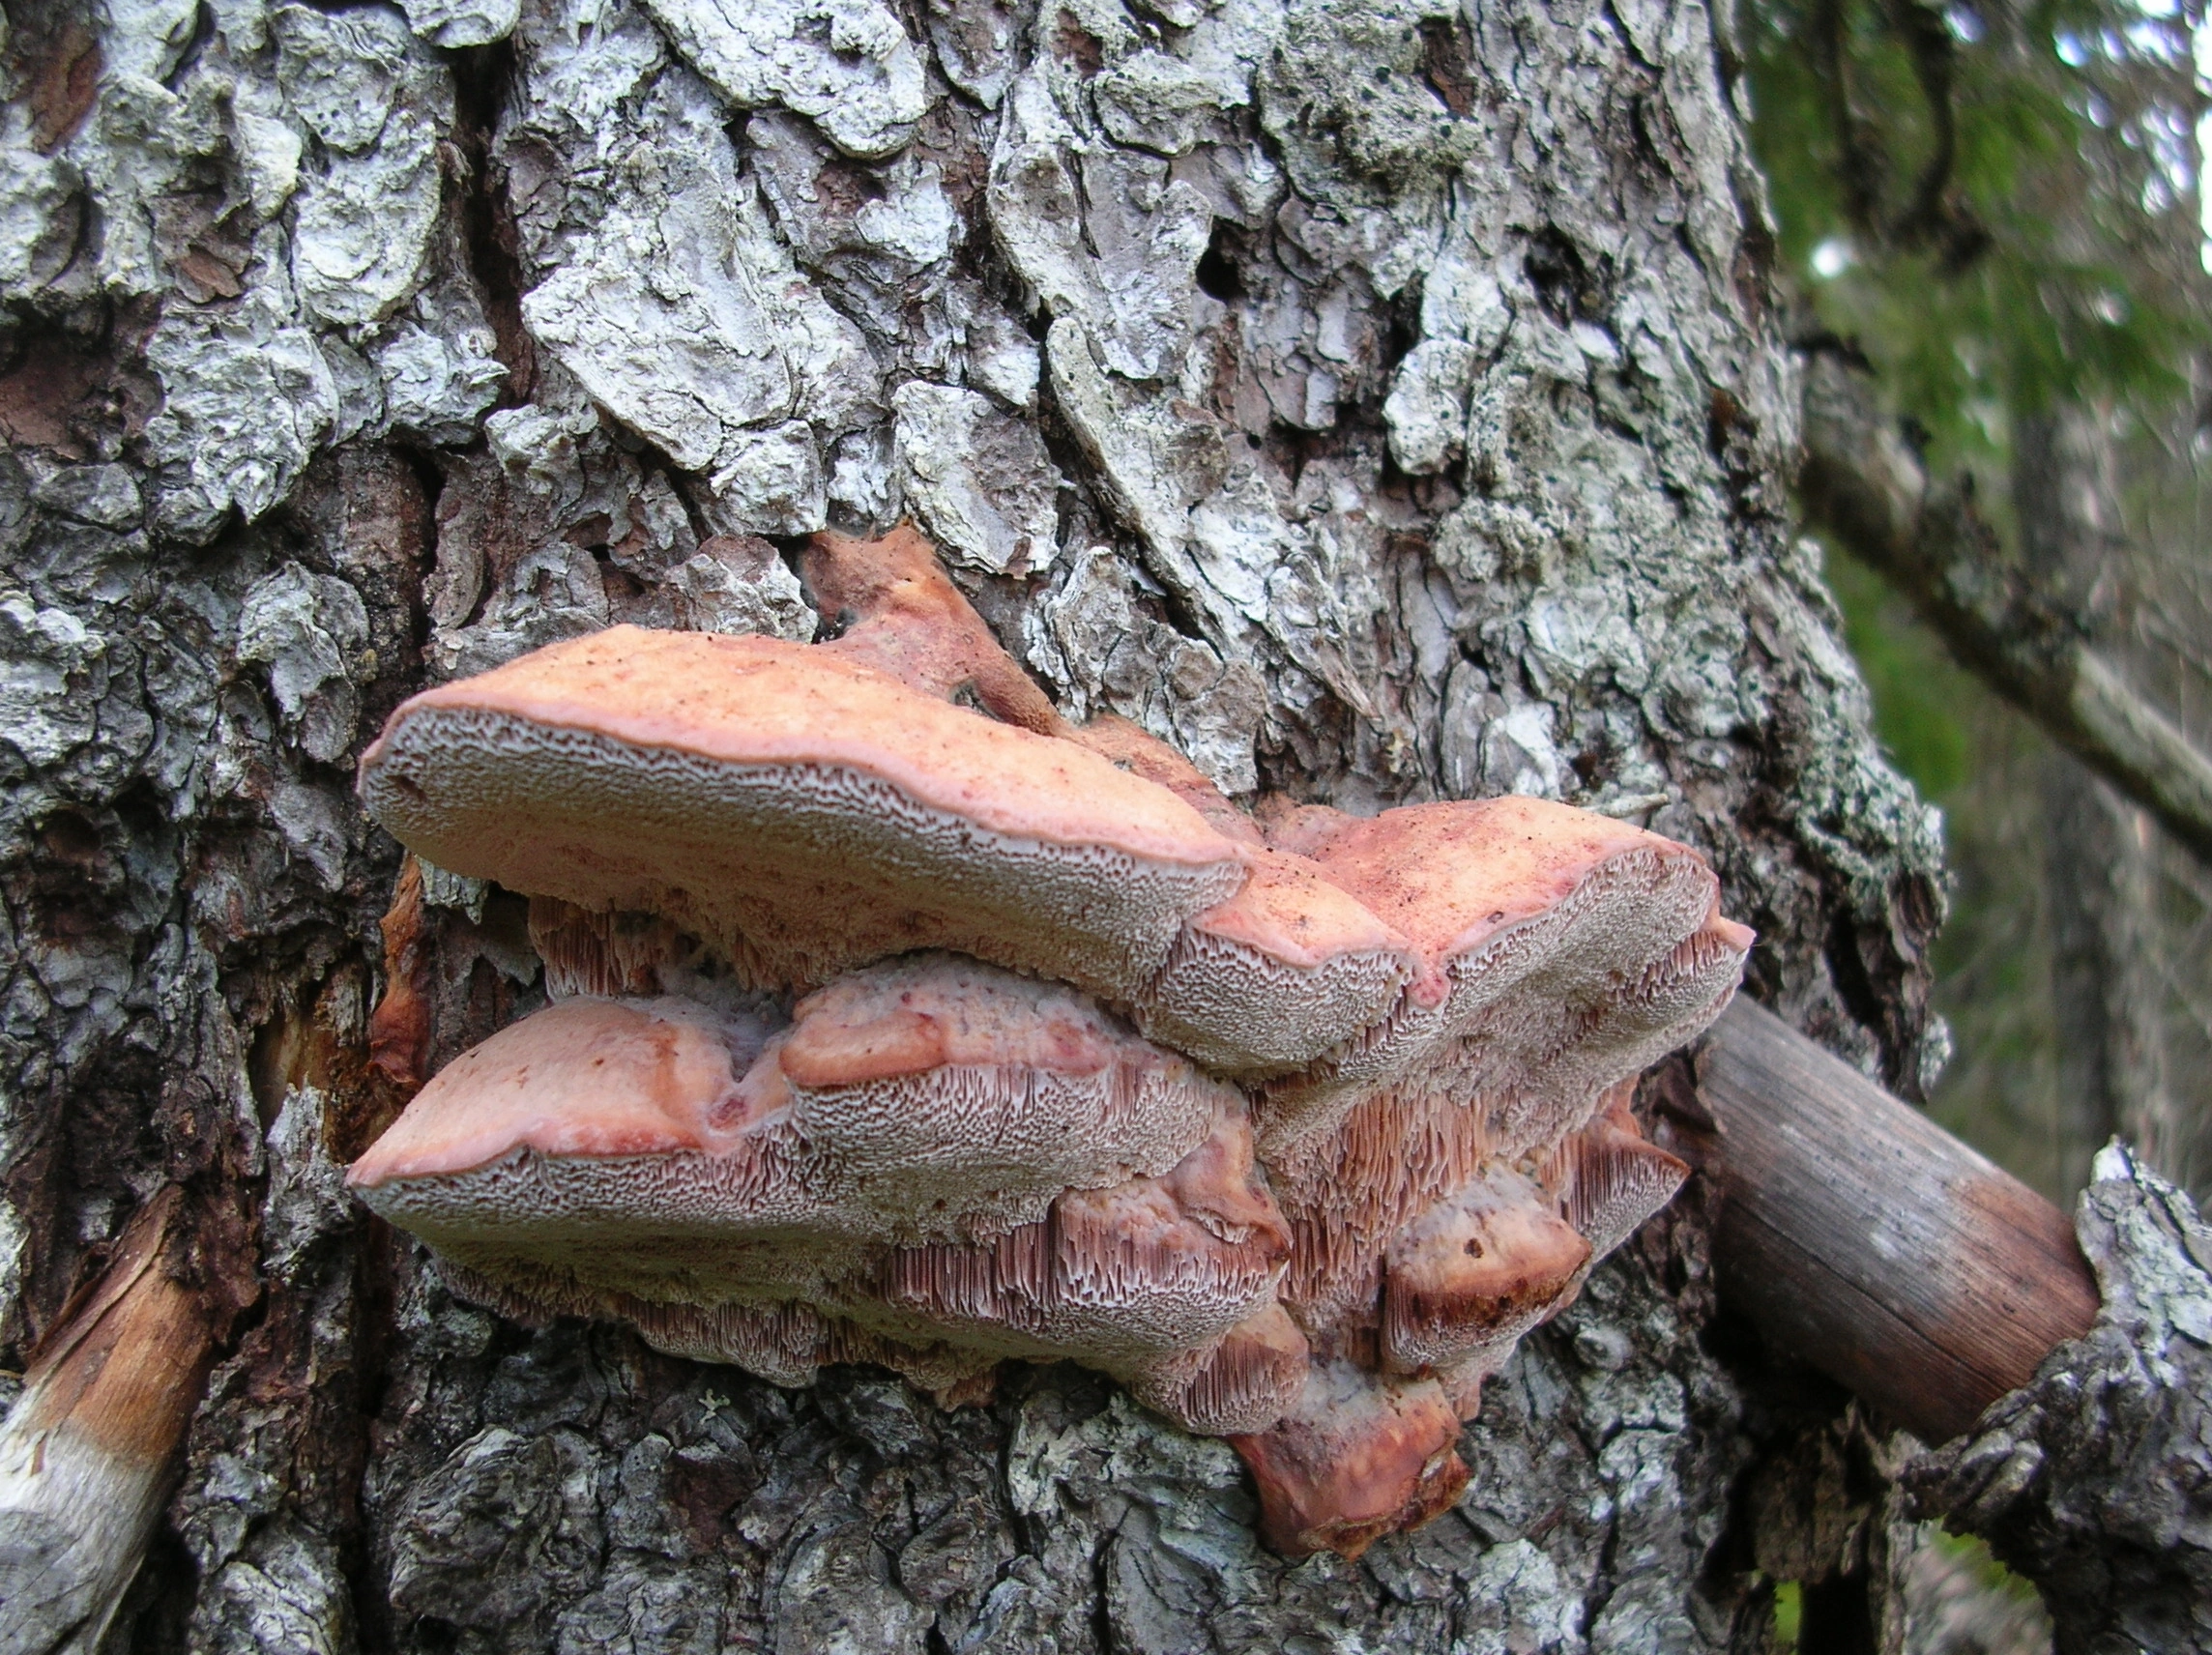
x=1379, y=400
x=2097, y=868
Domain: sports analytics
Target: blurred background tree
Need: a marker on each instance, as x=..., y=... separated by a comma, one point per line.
x=1992, y=212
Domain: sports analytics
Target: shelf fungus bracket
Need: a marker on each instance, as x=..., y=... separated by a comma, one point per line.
x=896, y=1019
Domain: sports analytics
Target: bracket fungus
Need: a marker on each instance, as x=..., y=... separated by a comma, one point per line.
x=956, y=1163
x=896, y=1019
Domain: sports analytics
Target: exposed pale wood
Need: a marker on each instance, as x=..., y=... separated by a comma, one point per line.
x=87, y=1453
x=1865, y=1239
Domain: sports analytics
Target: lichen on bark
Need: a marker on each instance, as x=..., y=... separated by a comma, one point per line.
x=2090, y=1480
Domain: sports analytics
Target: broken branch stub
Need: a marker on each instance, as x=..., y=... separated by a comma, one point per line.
x=1295, y=1127
x=1865, y=1241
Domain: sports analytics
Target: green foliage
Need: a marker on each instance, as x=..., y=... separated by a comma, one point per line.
x=1966, y=1559
x=1974, y=1556
x=1789, y=1610
x=1997, y=206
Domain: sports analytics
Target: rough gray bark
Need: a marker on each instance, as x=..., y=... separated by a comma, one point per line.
x=1378, y=400
x=2092, y=1480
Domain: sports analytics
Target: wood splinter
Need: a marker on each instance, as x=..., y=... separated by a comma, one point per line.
x=87, y=1453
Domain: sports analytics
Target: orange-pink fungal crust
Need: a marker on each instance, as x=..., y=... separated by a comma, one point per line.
x=910, y=1018
x=935, y=1155
x=1242, y=1383
x=1276, y=975
x=584, y=1077
x=1472, y=1274
x=1133, y=749
x=1358, y=1458
x=903, y=615
x=1123, y=1276
x=1290, y=910
x=1558, y=951
x=1265, y=981
x=763, y=701
x=613, y=956
x=1610, y=1178
x=1451, y=876
x=1271, y=979
x=924, y=1097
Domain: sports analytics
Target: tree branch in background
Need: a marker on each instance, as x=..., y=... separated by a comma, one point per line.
x=1859, y=167
x=1933, y=217
x=1861, y=485
x=1928, y=42
x=2099, y=900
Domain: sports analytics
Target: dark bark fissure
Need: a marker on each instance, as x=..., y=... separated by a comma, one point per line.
x=480, y=76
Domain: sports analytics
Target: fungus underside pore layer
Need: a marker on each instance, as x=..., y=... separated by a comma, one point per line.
x=1295, y=1124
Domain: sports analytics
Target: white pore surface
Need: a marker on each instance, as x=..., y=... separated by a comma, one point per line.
x=1613, y=1182
x=1241, y=1011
